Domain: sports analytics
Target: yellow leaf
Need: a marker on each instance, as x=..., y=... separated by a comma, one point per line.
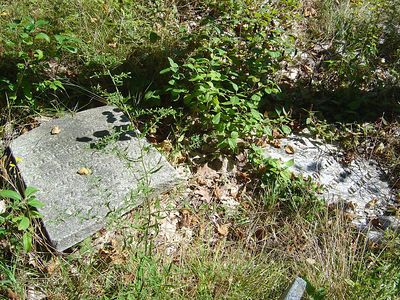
x=223, y=229
x=84, y=171
x=289, y=149
x=55, y=130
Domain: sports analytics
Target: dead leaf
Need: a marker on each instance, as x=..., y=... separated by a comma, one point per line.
x=223, y=229
x=376, y=223
x=218, y=192
x=55, y=130
x=276, y=143
x=289, y=149
x=276, y=134
x=112, y=45
x=204, y=194
x=351, y=205
x=379, y=149
x=244, y=176
x=53, y=266
x=372, y=203
x=12, y=295
x=187, y=218
x=166, y=146
x=206, y=171
x=260, y=234
x=84, y=171
x=309, y=12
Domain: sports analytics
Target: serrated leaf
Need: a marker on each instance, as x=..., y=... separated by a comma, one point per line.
x=10, y=194
x=35, y=203
x=27, y=241
x=24, y=223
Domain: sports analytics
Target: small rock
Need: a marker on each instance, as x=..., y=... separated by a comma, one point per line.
x=296, y=290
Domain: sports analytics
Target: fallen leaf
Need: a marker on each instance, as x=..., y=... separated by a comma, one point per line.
x=223, y=229
x=53, y=266
x=204, y=194
x=276, y=134
x=218, y=192
x=12, y=295
x=309, y=12
x=84, y=171
x=112, y=45
x=289, y=149
x=55, y=130
x=166, y=146
x=379, y=149
x=351, y=205
x=376, y=223
x=372, y=203
x=276, y=143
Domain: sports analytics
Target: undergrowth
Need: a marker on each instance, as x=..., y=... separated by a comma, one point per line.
x=202, y=80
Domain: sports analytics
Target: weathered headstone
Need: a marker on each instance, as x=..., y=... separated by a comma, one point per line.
x=85, y=166
x=358, y=181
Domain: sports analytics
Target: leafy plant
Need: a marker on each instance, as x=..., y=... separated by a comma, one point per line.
x=292, y=194
x=18, y=217
x=225, y=79
x=30, y=48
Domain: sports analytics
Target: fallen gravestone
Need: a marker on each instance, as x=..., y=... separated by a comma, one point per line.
x=358, y=181
x=86, y=166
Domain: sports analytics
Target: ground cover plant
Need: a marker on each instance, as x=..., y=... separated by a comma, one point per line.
x=209, y=83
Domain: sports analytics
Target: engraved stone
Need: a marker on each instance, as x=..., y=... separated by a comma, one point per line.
x=358, y=181
x=124, y=169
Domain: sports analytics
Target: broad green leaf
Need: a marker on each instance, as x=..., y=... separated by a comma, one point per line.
x=232, y=141
x=174, y=65
x=27, y=241
x=216, y=119
x=29, y=191
x=235, y=86
x=24, y=223
x=35, y=203
x=39, y=54
x=286, y=129
x=289, y=163
x=165, y=71
x=274, y=54
x=42, y=36
x=10, y=194
x=41, y=23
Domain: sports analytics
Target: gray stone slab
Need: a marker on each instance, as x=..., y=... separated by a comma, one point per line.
x=360, y=181
x=123, y=166
x=296, y=290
